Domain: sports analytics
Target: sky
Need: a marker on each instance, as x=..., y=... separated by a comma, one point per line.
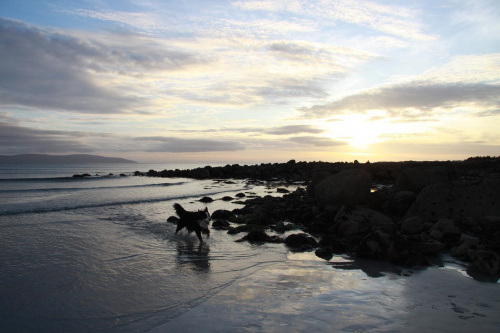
x=248, y=82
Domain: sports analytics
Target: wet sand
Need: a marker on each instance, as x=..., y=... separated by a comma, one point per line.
x=307, y=294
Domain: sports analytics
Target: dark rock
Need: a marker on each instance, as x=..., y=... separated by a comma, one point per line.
x=377, y=245
x=487, y=262
x=366, y=218
x=240, y=195
x=282, y=190
x=348, y=187
x=458, y=199
x=490, y=223
x=301, y=241
x=282, y=226
x=221, y=214
x=325, y=253
x=206, y=199
x=221, y=225
x=426, y=247
x=334, y=242
x=412, y=225
x=401, y=202
x=416, y=179
x=348, y=228
x=258, y=236
x=227, y=198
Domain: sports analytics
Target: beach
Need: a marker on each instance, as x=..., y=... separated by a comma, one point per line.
x=96, y=254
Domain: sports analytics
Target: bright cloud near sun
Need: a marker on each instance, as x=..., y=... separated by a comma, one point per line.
x=251, y=81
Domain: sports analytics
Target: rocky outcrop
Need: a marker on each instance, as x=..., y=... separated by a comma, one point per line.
x=417, y=210
x=457, y=200
x=348, y=187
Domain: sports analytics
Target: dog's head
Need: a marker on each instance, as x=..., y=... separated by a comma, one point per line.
x=207, y=218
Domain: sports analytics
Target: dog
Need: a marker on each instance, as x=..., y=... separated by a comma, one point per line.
x=193, y=221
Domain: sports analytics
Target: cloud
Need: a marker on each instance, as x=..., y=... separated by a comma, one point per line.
x=394, y=20
x=423, y=97
x=293, y=129
x=17, y=140
x=54, y=71
x=317, y=141
x=181, y=145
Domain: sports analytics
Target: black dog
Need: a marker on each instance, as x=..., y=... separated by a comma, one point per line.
x=193, y=221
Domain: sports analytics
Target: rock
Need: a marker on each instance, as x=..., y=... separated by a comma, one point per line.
x=464, y=238
x=461, y=251
x=324, y=253
x=348, y=228
x=282, y=190
x=335, y=242
x=301, y=241
x=490, y=223
x=436, y=234
x=240, y=195
x=366, y=218
x=258, y=236
x=349, y=187
x=377, y=245
x=317, y=177
x=221, y=225
x=412, y=225
x=487, y=262
x=426, y=247
x=416, y=179
x=221, y=214
x=446, y=227
x=282, y=226
x=227, y=198
x=401, y=201
x=206, y=199
x=457, y=200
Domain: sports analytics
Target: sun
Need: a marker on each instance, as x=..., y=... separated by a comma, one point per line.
x=358, y=130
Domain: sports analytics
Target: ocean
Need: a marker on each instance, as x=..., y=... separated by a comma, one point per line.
x=96, y=254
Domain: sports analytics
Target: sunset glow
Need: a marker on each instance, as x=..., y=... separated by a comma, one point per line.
x=251, y=81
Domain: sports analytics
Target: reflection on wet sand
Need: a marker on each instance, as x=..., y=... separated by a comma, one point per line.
x=194, y=255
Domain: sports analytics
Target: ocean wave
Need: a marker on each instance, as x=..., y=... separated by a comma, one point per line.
x=49, y=209
x=90, y=188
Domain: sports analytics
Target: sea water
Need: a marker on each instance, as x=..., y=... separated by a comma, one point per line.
x=96, y=254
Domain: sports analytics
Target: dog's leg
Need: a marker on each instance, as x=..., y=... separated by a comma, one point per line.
x=179, y=227
x=198, y=233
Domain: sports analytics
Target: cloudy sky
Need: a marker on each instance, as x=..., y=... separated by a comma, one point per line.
x=251, y=81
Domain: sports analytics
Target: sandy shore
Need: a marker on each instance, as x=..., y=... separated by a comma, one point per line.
x=304, y=293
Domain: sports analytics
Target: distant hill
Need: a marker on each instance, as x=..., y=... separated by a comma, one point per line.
x=53, y=159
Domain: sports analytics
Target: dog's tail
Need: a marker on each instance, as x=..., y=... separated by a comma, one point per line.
x=179, y=209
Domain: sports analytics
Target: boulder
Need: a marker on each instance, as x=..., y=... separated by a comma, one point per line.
x=365, y=217
x=487, y=262
x=412, y=225
x=301, y=241
x=221, y=214
x=377, y=245
x=490, y=223
x=325, y=252
x=206, y=199
x=259, y=236
x=416, y=179
x=401, y=201
x=348, y=228
x=349, y=187
x=221, y=225
x=457, y=200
